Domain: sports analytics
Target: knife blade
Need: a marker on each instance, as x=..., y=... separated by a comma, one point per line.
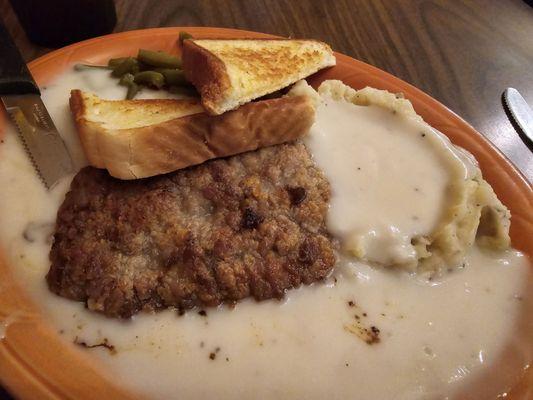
x=22, y=99
x=519, y=111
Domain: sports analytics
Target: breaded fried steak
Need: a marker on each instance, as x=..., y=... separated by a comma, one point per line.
x=248, y=225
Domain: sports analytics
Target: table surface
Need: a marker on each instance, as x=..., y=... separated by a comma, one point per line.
x=463, y=53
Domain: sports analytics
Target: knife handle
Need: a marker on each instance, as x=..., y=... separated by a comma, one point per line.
x=14, y=75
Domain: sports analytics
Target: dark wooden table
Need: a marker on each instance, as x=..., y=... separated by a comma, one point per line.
x=463, y=53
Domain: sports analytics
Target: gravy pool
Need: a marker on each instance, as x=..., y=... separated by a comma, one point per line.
x=364, y=333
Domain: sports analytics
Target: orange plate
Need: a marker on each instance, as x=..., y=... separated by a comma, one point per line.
x=35, y=362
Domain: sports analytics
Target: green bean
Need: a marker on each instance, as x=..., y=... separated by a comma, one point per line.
x=81, y=67
x=158, y=59
x=127, y=79
x=173, y=76
x=145, y=67
x=114, y=62
x=188, y=91
x=183, y=36
x=133, y=89
x=129, y=65
x=150, y=78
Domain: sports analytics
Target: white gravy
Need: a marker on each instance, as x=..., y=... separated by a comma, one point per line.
x=388, y=174
x=435, y=338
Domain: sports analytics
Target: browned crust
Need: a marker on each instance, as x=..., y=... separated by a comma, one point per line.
x=77, y=105
x=206, y=72
x=87, y=136
x=261, y=39
x=252, y=225
x=209, y=74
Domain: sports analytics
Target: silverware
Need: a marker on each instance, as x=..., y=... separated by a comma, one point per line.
x=22, y=99
x=519, y=112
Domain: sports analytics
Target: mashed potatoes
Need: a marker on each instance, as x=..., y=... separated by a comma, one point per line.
x=403, y=195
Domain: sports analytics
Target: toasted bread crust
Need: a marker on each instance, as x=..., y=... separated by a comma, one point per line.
x=86, y=132
x=229, y=73
x=181, y=142
x=206, y=72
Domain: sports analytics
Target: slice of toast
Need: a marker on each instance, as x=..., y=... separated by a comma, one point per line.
x=141, y=138
x=231, y=72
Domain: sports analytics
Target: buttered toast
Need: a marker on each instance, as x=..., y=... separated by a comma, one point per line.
x=141, y=138
x=230, y=72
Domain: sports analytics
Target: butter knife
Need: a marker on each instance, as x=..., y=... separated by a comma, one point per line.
x=22, y=99
x=520, y=112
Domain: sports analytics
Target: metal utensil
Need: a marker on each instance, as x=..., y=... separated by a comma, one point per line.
x=520, y=112
x=22, y=99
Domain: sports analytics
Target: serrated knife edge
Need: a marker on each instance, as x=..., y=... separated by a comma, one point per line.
x=39, y=136
x=26, y=148
x=22, y=98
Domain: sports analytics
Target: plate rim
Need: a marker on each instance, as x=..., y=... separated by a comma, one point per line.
x=14, y=368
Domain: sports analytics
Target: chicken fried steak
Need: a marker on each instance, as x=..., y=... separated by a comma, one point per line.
x=248, y=225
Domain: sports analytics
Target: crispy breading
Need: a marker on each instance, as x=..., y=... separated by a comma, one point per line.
x=248, y=225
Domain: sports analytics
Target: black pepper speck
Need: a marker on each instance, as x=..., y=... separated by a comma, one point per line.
x=297, y=195
x=250, y=219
